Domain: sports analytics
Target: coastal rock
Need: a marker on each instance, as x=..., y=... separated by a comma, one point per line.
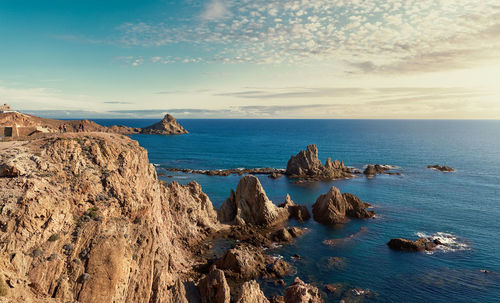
x=300, y=292
x=214, y=288
x=297, y=212
x=275, y=175
x=306, y=165
x=167, y=126
x=445, y=169
x=91, y=222
x=372, y=170
x=419, y=245
x=242, y=263
x=250, y=293
x=250, y=205
x=333, y=207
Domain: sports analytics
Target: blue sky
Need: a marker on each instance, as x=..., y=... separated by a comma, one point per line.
x=252, y=59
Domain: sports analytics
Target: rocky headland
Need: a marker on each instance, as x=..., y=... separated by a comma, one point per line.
x=84, y=218
x=20, y=126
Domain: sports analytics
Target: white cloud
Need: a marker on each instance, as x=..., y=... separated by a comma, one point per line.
x=215, y=10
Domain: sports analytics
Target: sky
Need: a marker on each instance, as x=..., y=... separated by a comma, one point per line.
x=333, y=59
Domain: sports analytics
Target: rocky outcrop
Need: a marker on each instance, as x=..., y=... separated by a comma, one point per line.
x=167, y=126
x=295, y=211
x=243, y=263
x=300, y=292
x=250, y=293
x=214, y=288
x=419, y=245
x=334, y=208
x=445, y=169
x=306, y=165
x=87, y=220
x=372, y=170
x=250, y=205
x=273, y=173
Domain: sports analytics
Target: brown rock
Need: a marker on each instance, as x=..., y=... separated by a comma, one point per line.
x=333, y=207
x=421, y=244
x=280, y=268
x=167, y=126
x=214, y=288
x=282, y=235
x=307, y=165
x=300, y=292
x=250, y=293
x=242, y=262
x=445, y=169
x=275, y=175
x=250, y=205
x=297, y=212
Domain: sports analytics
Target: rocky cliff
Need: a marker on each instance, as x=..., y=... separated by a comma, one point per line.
x=167, y=126
x=306, y=165
x=83, y=217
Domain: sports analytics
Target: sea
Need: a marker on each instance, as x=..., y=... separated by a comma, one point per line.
x=460, y=208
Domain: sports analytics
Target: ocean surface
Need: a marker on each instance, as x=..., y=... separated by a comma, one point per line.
x=462, y=208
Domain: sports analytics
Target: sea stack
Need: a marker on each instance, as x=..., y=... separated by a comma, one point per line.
x=334, y=207
x=167, y=126
x=306, y=165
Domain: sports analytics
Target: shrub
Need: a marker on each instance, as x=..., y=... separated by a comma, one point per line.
x=54, y=238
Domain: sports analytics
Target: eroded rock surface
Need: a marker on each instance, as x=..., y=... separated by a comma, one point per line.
x=167, y=126
x=250, y=205
x=334, y=207
x=214, y=288
x=295, y=211
x=250, y=293
x=88, y=220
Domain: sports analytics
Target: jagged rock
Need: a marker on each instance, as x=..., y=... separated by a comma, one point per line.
x=72, y=180
x=370, y=170
x=275, y=175
x=307, y=165
x=250, y=293
x=333, y=207
x=282, y=235
x=300, y=292
x=167, y=126
x=419, y=245
x=298, y=212
x=356, y=208
x=250, y=205
x=445, y=169
x=279, y=268
x=214, y=288
x=242, y=262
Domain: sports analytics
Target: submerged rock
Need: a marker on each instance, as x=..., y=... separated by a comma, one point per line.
x=445, y=169
x=300, y=292
x=306, y=165
x=419, y=245
x=333, y=207
x=250, y=205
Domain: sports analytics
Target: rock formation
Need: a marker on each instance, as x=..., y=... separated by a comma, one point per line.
x=419, y=245
x=306, y=165
x=243, y=263
x=250, y=293
x=85, y=218
x=372, y=170
x=298, y=212
x=300, y=292
x=214, y=288
x=445, y=169
x=250, y=205
x=167, y=126
x=333, y=207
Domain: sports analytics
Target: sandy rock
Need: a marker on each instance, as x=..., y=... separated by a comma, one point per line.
x=300, y=292
x=250, y=205
x=214, y=288
x=250, y=293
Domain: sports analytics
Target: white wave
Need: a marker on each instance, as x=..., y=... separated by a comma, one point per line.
x=448, y=242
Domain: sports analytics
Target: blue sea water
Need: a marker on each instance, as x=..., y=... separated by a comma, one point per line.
x=464, y=205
